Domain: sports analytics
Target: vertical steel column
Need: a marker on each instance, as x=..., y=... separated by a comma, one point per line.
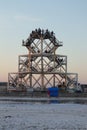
x=54, y=69
x=18, y=69
x=77, y=79
x=66, y=73
x=30, y=73
x=42, y=72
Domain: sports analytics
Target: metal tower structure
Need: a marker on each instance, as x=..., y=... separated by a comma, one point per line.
x=41, y=67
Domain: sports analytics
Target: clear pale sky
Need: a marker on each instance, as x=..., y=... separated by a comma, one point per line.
x=67, y=18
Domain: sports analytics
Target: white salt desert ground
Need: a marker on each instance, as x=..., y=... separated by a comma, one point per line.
x=21, y=115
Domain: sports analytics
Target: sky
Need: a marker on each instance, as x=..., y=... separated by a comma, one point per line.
x=67, y=18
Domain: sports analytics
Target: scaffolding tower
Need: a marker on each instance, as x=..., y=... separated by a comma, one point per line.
x=41, y=67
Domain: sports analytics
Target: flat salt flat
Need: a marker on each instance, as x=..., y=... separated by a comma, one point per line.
x=42, y=116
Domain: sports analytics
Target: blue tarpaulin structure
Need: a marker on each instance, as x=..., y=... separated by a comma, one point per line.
x=53, y=91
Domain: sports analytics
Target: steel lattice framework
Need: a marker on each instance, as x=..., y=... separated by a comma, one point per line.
x=41, y=67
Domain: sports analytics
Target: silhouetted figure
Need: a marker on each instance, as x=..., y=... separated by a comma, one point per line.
x=39, y=31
